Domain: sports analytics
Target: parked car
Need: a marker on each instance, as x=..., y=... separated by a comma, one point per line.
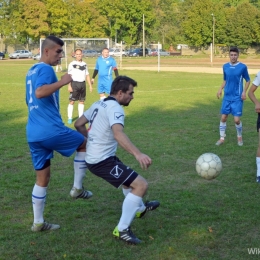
x=21, y=54
x=37, y=56
x=116, y=52
x=89, y=53
x=154, y=52
x=2, y=55
x=137, y=52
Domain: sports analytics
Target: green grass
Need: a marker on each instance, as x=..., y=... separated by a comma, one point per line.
x=174, y=118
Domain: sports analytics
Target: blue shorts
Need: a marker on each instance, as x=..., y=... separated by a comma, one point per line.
x=104, y=86
x=65, y=143
x=232, y=107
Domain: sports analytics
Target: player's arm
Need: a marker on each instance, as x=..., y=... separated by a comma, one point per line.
x=80, y=125
x=251, y=95
x=47, y=90
x=89, y=82
x=116, y=72
x=219, y=94
x=123, y=140
x=94, y=75
x=245, y=90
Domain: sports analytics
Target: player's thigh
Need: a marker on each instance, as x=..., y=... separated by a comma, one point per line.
x=74, y=96
x=258, y=124
x=114, y=172
x=82, y=95
x=101, y=88
x=237, y=108
x=66, y=142
x=39, y=154
x=226, y=107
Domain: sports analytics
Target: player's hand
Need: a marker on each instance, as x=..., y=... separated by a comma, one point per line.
x=144, y=160
x=90, y=89
x=92, y=81
x=219, y=94
x=243, y=96
x=66, y=79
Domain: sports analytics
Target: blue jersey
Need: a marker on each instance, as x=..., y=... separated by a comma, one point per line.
x=105, y=67
x=44, y=119
x=234, y=75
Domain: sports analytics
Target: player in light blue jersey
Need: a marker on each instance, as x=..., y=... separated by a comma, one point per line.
x=46, y=132
x=234, y=94
x=251, y=94
x=105, y=65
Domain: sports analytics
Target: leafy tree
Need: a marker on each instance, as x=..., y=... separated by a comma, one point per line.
x=85, y=21
x=197, y=22
x=125, y=18
x=166, y=29
x=242, y=28
x=58, y=18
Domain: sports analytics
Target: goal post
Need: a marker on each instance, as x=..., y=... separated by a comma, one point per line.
x=71, y=44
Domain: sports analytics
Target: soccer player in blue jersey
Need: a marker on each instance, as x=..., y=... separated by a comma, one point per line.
x=47, y=133
x=105, y=65
x=234, y=94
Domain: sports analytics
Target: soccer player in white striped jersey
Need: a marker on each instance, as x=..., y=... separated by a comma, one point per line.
x=105, y=120
x=251, y=95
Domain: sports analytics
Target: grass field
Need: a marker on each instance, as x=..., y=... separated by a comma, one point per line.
x=174, y=118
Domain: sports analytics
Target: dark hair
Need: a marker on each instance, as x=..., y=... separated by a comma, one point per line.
x=48, y=42
x=122, y=83
x=234, y=49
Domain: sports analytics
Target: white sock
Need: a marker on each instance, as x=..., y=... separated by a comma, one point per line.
x=126, y=191
x=239, y=129
x=38, y=201
x=80, y=169
x=70, y=111
x=222, y=129
x=130, y=206
x=258, y=166
x=80, y=109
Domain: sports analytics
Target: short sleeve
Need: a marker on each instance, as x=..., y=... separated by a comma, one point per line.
x=256, y=81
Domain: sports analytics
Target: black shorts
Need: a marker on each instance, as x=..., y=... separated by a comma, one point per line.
x=79, y=91
x=258, y=123
x=113, y=171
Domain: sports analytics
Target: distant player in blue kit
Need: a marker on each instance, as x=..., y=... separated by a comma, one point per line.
x=234, y=94
x=46, y=132
x=105, y=66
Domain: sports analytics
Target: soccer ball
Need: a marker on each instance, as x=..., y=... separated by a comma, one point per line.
x=208, y=166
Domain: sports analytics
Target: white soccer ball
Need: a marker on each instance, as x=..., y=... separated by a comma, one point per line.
x=208, y=166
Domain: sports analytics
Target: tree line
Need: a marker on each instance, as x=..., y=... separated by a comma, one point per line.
x=235, y=22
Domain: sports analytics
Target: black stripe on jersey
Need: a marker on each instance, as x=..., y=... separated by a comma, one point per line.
x=75, y=66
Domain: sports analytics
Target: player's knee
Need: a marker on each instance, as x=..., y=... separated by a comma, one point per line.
x=237, y=121
x=82, y=147
x=141, y=184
